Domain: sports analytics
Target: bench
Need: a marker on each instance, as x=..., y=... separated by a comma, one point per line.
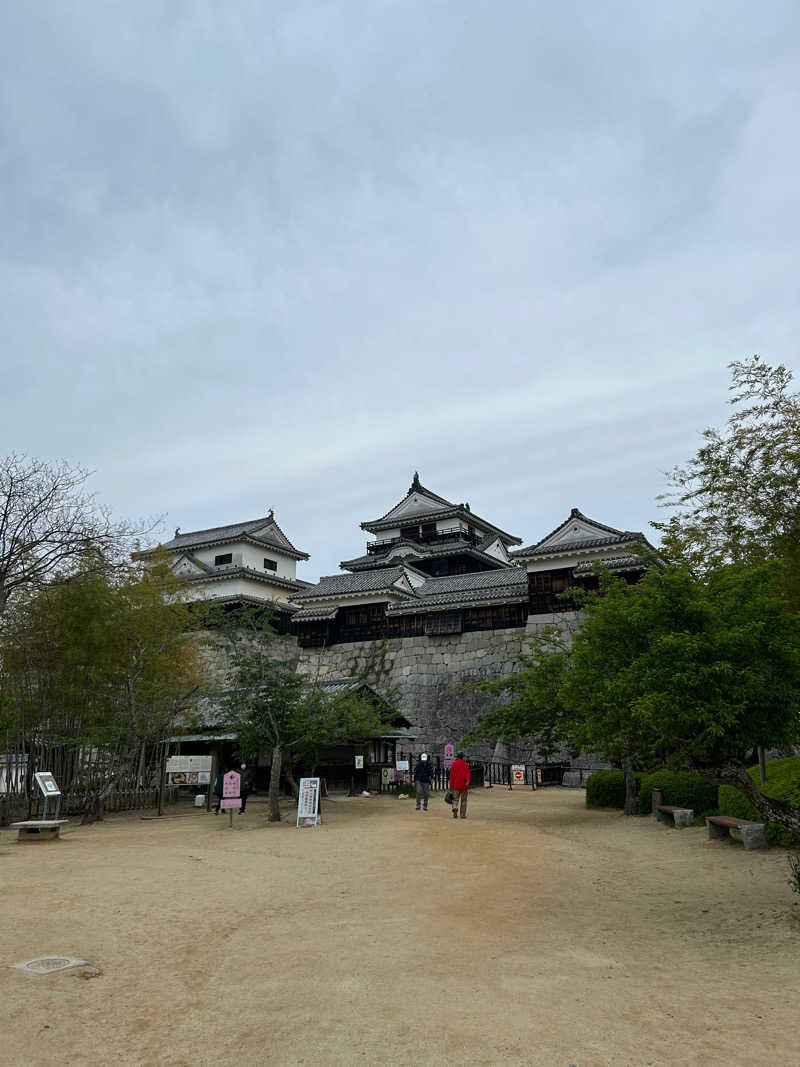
x=38, y=829
x=680, y=816
x=754, y=834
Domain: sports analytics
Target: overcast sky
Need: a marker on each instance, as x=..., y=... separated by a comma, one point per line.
x=283, y=255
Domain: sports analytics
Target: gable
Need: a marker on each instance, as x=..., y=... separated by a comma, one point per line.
x=575, y=529
x=270, y=531
x=186, y=565
x=416, y=503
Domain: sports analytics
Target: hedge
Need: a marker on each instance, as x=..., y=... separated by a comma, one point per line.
x=783, y=783
x=682, y=789
x=606, y=789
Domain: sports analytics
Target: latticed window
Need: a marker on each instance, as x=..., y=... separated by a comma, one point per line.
x=444, y=622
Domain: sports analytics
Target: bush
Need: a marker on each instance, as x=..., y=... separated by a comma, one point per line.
x=606, y=789
x=783, y=783
x=682, y=789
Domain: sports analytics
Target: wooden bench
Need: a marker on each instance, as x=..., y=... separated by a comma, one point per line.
x=754, y=834
x=38, y=829
x=680, y=816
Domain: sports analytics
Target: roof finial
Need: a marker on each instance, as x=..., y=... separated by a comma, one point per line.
x=271, y=515
x=466, y=506
x=415, y=483
x=177, y=531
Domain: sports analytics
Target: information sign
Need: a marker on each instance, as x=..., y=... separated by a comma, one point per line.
x=539, y=775
x=385, y=772
x=518, y=774
x=401, y=765
x=449, y=754
x=359, y=763
x=186, y=764
x=308, y=802
x=231, y=797
x=47, y=783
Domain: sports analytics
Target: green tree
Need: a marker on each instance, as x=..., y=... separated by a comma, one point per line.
x=100, y=663
x=272, y=707
x=738, y=499
x=693, y=671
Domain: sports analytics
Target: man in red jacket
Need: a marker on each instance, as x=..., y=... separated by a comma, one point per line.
x=459, y=785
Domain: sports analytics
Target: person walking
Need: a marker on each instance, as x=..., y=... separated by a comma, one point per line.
x=218, y=790
x=245, y=786
x=459, y=785
x=423, y=778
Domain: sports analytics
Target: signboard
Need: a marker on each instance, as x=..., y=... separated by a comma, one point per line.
x=539, y=775
x=385, y=772
x=449, y=754
x=401, y=764
x=231, y=797
x=308, y=802
x=359, y=763
x=203, y=777
x=47, y=783
x=185, y=764
x=518, y=774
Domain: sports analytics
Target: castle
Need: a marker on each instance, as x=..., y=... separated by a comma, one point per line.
x=448, y=595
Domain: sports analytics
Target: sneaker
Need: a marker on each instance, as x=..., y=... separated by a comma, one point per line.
x=418, y=807
x=455, y=814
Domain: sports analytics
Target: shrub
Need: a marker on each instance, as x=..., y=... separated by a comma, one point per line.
x=606, y=789
x=783, y=783
x=679, y=788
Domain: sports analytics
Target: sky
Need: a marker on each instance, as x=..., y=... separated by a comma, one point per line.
x=282, y=255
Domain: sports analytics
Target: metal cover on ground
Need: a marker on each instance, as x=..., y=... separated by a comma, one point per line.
x=48, y=964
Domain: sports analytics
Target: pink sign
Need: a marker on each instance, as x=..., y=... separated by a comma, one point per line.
x=230, y=802
x=449, y=753
x=230, y=785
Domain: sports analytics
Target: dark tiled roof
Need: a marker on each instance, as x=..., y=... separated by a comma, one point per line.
x=260, y=531
x=613, y=537
x=415, y=487
x=376, y=581
x=235, y=570
x=509, y=584
x=456, y=511
x=423, y=551
x=614, y=563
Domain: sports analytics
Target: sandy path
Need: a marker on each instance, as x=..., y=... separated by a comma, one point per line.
x=535, y=932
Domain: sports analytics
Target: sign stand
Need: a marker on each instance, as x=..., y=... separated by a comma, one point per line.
x=49, y=788
x=231, y=794
x=308, y=802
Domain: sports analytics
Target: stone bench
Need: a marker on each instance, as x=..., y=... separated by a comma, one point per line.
x=680, y=816
x=754, y=834
x=38, y=829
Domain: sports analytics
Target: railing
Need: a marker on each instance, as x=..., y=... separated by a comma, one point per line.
x=455, y=534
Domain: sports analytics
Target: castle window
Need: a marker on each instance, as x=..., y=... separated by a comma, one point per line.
x=270, y=564
x=223, y=561
x=445, y=622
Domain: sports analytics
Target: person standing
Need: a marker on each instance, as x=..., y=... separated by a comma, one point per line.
x=459, y=785
x=423, y=778
x=245, y=786
x=218, y=786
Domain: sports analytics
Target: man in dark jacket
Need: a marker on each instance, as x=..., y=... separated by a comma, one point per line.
x=245, y=786
x=423, y=777
x=459, y=784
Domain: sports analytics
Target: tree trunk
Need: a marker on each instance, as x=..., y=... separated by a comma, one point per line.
x=290, y=778
x=274, y=785
x=631, y=787
x=772, y=810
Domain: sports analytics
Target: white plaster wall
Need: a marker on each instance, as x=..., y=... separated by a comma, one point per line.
x=250, y=556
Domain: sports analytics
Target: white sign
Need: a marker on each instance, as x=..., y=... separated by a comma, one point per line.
x=359, y=763
x=47, y=784
x=401, y=765
x=308, y=802
x=518, y=774
x=186, y=764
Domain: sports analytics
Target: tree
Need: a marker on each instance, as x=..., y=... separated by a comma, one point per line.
x=693, y=671
x=271, y=706
x=47, y=523
x=738, y=499
x=96, y=666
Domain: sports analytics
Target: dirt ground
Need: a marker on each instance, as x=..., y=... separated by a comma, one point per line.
x=533, y=932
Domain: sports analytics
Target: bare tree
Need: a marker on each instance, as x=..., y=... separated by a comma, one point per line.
x=48, y=521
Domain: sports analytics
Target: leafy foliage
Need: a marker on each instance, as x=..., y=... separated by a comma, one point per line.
x=679, y=788
x=783, y=783
x=738, y=499
x=606, y=789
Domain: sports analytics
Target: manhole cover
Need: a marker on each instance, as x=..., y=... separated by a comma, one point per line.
x=48, y=964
